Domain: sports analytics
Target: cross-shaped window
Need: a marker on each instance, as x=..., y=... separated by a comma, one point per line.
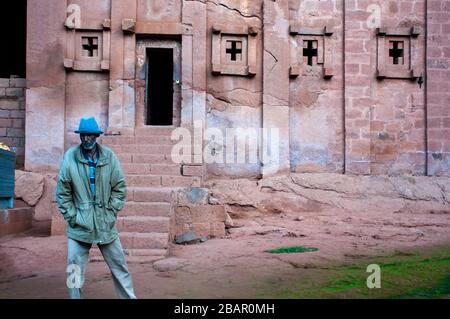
x=310, y=50
x=234, y=50
x=396, y=52
x=90, y=46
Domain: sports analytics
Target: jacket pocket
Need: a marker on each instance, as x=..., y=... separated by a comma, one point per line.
x=71, y=221
x=110, y=217
x=85, y=219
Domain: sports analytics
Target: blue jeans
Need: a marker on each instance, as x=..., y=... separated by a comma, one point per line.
x=77, y=258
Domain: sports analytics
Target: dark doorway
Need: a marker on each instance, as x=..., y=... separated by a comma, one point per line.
x=13, y=34
x=159, y=87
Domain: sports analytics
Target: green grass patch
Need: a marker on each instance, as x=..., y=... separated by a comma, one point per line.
x=292, y=250
x=420, y=274
x=440, y=290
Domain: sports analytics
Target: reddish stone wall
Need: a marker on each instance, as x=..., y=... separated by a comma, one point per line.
x=17, y=220
x=438, y=87
x=12, y=116
x=316, y=104
x=87, y=92
x=352, y=122
x=159, y=11
x=234, y=101
x=383, y=118
x=45, y=95
x=193, y=212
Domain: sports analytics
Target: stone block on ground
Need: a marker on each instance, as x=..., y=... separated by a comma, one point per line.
x=29, y=186
x=186, y=238
x=169, y=264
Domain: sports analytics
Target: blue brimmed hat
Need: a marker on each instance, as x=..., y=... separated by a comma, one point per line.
x=89, y=126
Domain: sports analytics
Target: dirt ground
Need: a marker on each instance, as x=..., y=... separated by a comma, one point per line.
x=32, y=264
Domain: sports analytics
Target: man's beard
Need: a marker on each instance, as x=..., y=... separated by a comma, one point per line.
x=89, y=146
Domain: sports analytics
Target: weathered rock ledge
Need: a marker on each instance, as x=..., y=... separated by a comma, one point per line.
x=316, y=192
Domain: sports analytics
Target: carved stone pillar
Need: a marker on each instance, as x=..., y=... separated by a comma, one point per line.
x=276, y=85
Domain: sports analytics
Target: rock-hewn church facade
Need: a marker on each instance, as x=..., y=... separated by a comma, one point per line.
x=353, y=87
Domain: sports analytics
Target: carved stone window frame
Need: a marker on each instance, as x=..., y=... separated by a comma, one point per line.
x=411, y=67
x=220, y=67
x=324, y=56
x=73, y=58
x=244, y=48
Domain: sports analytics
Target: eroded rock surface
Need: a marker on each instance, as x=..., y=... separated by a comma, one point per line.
x=316, y=192
x=29, y=186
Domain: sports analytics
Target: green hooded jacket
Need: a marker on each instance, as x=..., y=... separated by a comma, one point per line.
x=91, y=221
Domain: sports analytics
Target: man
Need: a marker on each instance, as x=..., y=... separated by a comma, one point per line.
x=90, y=192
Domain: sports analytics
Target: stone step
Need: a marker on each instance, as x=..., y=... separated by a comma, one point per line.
x=125, y=158
x=165, y=169
x=142, y=149
x=132, y=255
x=139, y=158
x=116, y=140
x=143, y=140
x=148, y=159
x=151, y=194
x=155, y=140
x=181, y=181
x=131, y=259
x=132, y=240
x=143, y=180
x=163, y=180
x=143, y=224
x=149, y=209
x=154, y=149
x=135, y=169
x=153, y=130
x=152, y=169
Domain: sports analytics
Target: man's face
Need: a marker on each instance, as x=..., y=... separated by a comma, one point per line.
x=88, y=141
